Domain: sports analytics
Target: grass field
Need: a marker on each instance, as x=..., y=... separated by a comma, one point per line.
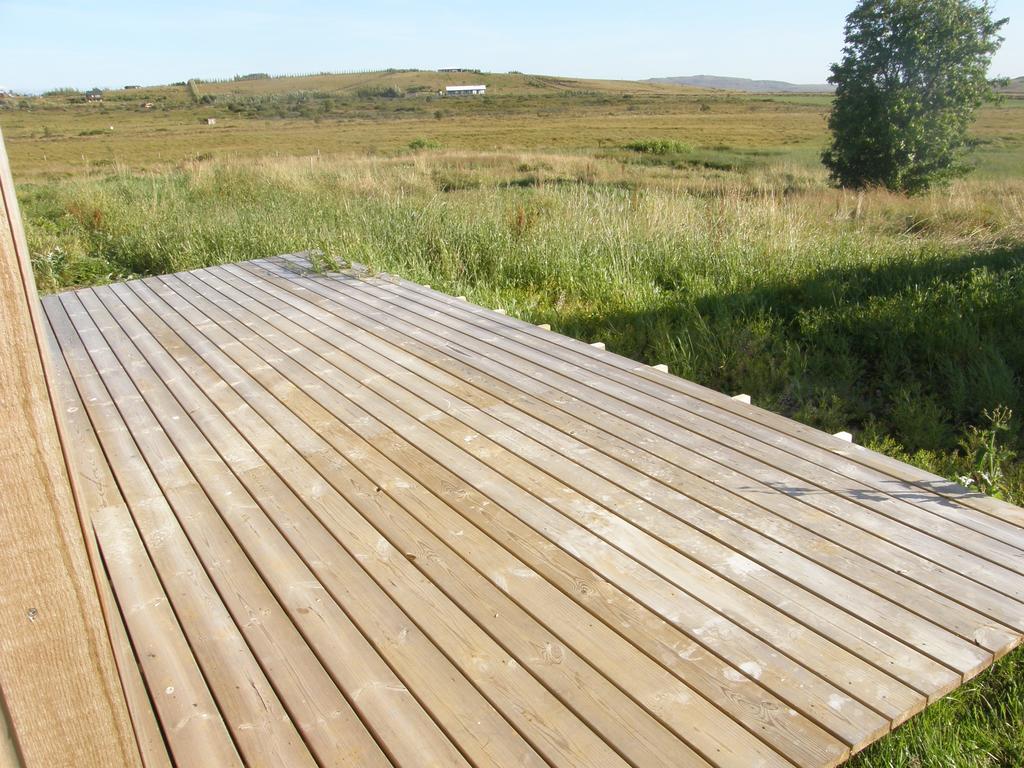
x=685, y=227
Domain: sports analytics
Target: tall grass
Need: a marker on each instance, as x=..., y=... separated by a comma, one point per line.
x=897, y=318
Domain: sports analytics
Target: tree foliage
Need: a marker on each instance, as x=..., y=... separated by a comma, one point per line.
x=912, y=76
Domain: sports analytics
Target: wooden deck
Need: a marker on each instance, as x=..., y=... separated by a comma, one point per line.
x=350, y=521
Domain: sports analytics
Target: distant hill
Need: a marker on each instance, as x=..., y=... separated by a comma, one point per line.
x=1016, y=85
x=742, y=84
x=412, y=81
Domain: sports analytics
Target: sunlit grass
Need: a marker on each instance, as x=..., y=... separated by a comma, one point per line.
x=895, y=316
x=979, y=725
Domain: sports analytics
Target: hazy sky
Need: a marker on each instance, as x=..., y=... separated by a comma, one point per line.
x=51, y=43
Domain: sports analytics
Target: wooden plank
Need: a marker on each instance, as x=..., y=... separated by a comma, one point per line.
x=383, y=700
x=592, y=641
x=382, y=697
x=874, y=469
x=148, y=733
x=999, y=642
x=101, y=496
x=562, y=739
x=968, y=653
x=58, y=678
x=518, y=502
x=323, y=716
x=552, y=437
x=887, y=468
x=248, y=703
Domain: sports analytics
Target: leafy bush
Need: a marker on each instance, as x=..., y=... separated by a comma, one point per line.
x=421, y=143
x=660, y=147
x=380, y=92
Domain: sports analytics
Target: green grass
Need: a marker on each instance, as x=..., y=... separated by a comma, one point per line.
x=900, y=321
x=707, y=239
x=979, y=725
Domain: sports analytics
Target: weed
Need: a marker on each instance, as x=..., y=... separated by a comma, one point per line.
x=986, y=456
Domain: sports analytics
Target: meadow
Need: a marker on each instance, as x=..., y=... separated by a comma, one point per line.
x=691, y=228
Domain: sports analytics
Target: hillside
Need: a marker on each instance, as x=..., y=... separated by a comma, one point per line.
x=421, y=81
x=1016, y=85
x=741, y=84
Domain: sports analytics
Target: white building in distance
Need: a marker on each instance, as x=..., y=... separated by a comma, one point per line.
x=465, y=90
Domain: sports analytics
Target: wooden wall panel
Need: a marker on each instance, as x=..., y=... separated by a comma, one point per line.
x=58, y=680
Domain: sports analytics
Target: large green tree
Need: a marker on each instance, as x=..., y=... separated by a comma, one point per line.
x=913, y=74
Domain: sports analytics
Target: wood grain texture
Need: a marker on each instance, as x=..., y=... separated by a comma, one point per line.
x=58, y=678
x=425, y=533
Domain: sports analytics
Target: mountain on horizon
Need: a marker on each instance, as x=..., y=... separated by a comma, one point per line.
x=742, y=84
x=1016, y=85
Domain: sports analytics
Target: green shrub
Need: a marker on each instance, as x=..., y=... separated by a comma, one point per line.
x=380, y=92
x=421, y=143
x=659, y=147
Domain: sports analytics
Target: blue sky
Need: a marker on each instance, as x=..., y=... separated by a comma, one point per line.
x=51, y=43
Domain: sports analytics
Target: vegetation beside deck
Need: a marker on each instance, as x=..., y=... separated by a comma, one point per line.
x=895, y=317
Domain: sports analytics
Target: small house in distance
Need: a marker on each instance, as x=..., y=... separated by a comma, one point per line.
x=465, y=90
x=94, y=95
